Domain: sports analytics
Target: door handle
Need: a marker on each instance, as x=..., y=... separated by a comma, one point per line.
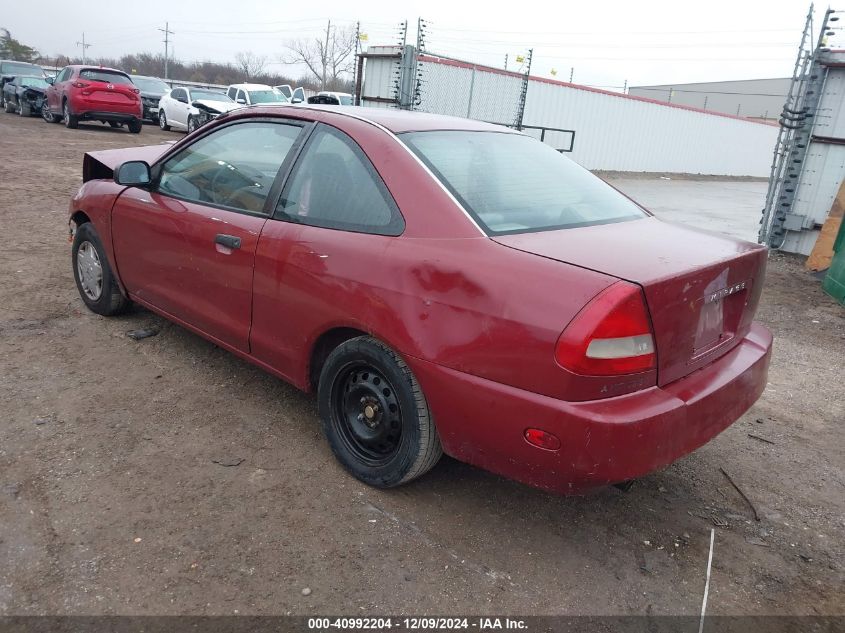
x=229, y=241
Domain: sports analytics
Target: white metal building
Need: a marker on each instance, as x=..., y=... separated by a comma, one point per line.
x=612, y=131
x=749, y=98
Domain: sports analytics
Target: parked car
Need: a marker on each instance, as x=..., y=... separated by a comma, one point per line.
x=152, y=90
x=445, y=285
x=323, y=100
x=10, y=68
x=343, y=98
x=253, y=94
x=185, y=108
x=24, y=95
x=93, y=93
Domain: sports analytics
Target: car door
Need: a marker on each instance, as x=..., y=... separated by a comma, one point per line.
x=333, y=216
x=54, y=92
x=180, y=108
x=186, y=244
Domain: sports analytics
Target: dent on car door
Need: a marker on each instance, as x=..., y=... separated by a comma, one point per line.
x=329, y=234
x=186, y=245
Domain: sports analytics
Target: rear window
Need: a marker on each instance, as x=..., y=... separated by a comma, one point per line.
x=106, y=76
x=515, y=184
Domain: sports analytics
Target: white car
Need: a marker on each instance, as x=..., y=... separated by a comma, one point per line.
x=176, y=109
x=253, y=94
x=343, y=98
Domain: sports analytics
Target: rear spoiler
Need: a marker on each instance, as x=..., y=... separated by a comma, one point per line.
x=101, y=165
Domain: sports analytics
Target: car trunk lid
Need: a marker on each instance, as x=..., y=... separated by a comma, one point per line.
x=107, y=88
x=702, y=289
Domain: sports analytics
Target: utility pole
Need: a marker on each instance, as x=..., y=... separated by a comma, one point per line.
x=326, y=54
x=84, y=46
x=571, y=74
x=167, y=33
x=506, y=61
x=523, y=92
x=625, y=87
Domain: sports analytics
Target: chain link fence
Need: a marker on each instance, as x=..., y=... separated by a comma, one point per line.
x=458, y=88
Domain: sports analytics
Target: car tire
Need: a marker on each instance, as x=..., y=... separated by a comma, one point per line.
x=70, y=121
x=192, y=124
x=8, y=106
x=135, y=127
x=374, y=414
x=47, y=115
x=162, y=121
x=94, y=278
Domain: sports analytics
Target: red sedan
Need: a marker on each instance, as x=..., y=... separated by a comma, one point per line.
x=93, y=93
x=444, y=285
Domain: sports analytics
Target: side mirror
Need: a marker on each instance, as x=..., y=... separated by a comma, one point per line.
x=133, y=173
x=50, y=80
x=296, y=100
x=241, y=101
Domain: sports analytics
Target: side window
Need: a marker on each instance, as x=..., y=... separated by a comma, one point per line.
x=231, y=93
x=63, y=75
x=335, y=186
x=179, y=95
x=242, y=95
x=232, y=167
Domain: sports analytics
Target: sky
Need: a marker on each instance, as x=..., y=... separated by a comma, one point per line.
x=602, y=44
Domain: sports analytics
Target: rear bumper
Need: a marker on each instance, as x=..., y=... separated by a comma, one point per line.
x=602, y=441
x=119, y=117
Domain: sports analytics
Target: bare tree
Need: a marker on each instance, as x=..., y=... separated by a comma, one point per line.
x=250, y=63
x=328, y=57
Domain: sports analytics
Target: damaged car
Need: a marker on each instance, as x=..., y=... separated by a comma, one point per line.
x=25, y=95
x=187, y=109
x=152, y=90
x=444, y=286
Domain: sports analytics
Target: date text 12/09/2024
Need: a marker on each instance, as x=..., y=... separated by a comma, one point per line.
x=416, y=623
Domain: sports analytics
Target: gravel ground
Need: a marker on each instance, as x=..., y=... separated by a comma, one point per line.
x=111, y=501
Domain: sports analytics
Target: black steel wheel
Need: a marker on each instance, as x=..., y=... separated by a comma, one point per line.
x=375, y=415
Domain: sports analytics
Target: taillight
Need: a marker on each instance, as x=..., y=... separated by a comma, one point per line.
x=611, y=335
x=79, y=84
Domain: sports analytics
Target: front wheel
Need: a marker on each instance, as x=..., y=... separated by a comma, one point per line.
x=8, y=106
x=47, y=115
x=192, y=124
x=375, y=415
x=162, y=121
x=135, y=126
x=95, y=280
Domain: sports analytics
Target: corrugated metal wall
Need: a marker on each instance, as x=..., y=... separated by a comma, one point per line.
x=824, y=165
x=612, y=132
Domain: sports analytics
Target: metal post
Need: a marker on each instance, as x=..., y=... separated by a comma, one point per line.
x=523, y=93
x=471, y=87
x=167, y=33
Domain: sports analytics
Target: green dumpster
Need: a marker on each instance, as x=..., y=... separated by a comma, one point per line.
x=834, y=281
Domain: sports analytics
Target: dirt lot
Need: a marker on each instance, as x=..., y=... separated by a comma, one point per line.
x=110, y=501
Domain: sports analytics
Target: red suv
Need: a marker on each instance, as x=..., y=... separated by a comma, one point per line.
x=90, y=93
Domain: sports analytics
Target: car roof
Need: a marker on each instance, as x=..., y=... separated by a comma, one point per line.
x=397, y=121
x=146, y=77
x=95, y=67
x=251, y=86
